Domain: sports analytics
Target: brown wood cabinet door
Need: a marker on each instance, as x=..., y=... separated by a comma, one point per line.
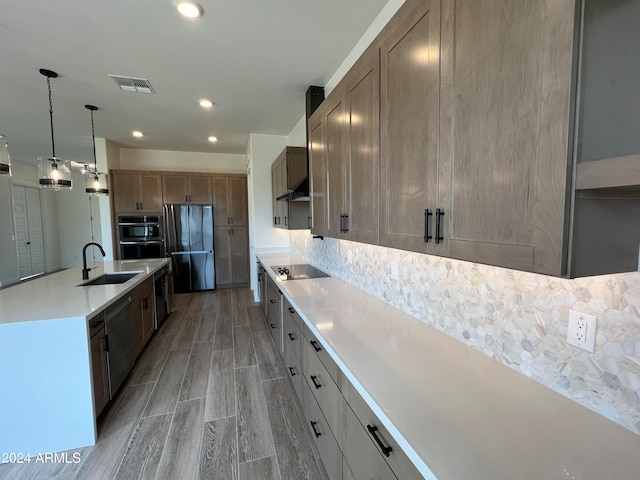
x=137, y=305
x=409, y=94
x=200, y=190
x=275, y=210
x=238, y=200
x=175, y=188
x=240, y=258
x=99, y=371
x=335, y=164
x=506, y=88
x=221, y=207
x=125, y=192
x=362, y=165
x=317, y=173
x=223, y=255
x=150, y=192
x=148, y=321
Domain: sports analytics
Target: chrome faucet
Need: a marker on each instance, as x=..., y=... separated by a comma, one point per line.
x=85, y=270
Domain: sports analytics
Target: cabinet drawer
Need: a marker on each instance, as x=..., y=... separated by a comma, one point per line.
x=289, y=310
x=397, y=459
x=326, y=444
x=291, y=337
x=293, y=368
x=320, y=351
x=324, y=390
x=360, y=453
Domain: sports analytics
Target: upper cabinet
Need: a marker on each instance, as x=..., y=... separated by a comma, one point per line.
x=136, y=192
x=506, y=90
x=483, y=117
x=230, y=200
x=317, y=170
x=184, y=188
x=290, y=189
x=412, y=179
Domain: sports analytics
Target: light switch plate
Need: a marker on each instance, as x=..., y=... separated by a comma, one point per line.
x=582, y=330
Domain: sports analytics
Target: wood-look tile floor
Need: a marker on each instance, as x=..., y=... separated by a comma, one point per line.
x=207, y=399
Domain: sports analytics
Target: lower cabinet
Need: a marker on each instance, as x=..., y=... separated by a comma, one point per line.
x=274, y=313
x=99, y=365
x=324, y=440
x=351, y=441
x=142, y=312
x=231, y=255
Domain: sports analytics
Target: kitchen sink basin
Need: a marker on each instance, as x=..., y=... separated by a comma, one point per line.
x=110, y=279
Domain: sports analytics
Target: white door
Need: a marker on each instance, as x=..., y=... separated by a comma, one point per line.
x=29, y=238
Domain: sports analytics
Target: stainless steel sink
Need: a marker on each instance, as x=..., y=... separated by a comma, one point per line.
x=110, y=279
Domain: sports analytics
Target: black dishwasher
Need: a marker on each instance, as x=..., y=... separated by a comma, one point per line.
x=119, y=330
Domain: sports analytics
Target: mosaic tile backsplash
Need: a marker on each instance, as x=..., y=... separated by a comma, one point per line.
x=518, y=318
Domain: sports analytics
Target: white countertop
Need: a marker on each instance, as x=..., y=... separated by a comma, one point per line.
x=57, y=295
x=457, y=413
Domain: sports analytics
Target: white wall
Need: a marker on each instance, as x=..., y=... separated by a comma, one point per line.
x=74, y=222
x=298, y=136
x=132, y=159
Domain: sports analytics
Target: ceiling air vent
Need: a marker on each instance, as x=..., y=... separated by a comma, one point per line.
x=132, y=84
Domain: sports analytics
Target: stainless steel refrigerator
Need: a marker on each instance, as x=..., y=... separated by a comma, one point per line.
x=189, y=241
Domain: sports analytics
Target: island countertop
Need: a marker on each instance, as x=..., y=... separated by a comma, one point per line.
x=58, y=295
x=457, y=413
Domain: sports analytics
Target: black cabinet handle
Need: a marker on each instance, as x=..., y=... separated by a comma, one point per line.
x=427, y=214
x=285, y=221
x=439, y=214
x=271, y=300
x=291, y=310
x=385, y=450
x=273, y=325
x=315, y=430
x=315, y=346
x=346, y=223
x=292, y=371
x=275, y=220
x=292, y=337
x=314, y=379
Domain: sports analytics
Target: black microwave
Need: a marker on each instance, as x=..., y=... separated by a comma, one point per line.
x=140, y=228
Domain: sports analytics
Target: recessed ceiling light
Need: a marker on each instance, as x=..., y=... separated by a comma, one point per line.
x=213, y=139
x=137, y=133
x=189, y=8
x=205, y=103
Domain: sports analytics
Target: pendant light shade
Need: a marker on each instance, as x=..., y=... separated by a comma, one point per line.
x=53, y=172
x=5, y=160
x=96, y=183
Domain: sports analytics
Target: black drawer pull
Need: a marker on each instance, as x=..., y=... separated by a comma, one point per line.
x=291, y=310
x=314, y=379
x=385, y=450
x=315, y=346
x=315, y=430
x=273, y=325
x=292, y=337
x=439, y=213
x=346, y=223
x=292, y=371
x=427, y=214
x=272, y=301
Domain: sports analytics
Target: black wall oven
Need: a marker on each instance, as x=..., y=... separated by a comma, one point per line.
x=141, y=237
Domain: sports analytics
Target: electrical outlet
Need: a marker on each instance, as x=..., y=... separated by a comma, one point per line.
x=582, y=330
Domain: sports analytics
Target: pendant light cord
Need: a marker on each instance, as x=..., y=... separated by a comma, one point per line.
x=93, y=136
x=53, y=143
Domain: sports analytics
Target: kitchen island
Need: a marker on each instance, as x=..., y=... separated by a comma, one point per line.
x=456, y=413
x=46, y=394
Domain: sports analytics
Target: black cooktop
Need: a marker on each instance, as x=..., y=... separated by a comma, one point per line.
x=298, y=272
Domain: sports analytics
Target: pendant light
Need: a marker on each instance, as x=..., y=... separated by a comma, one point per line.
x=53, y=172
x=5, y=159
x=96, y=182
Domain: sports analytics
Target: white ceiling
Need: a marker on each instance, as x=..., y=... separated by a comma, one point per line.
x=253, y=58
